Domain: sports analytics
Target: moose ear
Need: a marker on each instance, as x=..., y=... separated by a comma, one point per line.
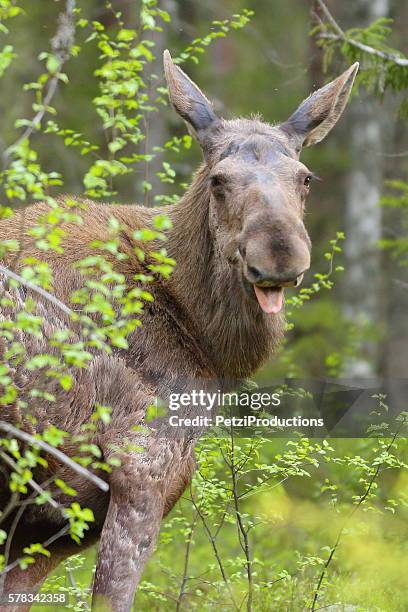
x=316, y=116
x=188, y=100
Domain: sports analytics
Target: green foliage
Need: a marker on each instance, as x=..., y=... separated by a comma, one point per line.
x=322, y=281
x=380, y=68
x=219, y=29
x=240, y=514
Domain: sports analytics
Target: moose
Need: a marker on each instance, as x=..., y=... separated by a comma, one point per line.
x=238, y=238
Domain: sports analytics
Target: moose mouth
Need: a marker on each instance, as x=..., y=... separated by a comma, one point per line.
x=270, y=297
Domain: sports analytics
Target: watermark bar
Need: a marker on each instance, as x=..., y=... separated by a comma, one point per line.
x=315, y=408
x=46, y=598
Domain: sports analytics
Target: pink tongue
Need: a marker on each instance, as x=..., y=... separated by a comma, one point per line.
x=270, y=299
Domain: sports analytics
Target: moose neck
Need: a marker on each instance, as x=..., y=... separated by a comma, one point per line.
x=232, y=329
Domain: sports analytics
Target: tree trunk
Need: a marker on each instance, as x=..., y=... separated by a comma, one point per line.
x=363, y=286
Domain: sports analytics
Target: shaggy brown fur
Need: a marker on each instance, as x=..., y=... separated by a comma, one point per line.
x=239, y=225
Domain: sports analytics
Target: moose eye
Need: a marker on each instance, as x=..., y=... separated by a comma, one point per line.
x=219, y=184
x=308, y=180
x=217, y=181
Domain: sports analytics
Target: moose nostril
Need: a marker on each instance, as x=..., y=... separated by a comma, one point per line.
x=255, y=273
x=242, y=251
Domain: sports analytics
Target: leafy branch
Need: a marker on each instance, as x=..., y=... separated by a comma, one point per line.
x=35, y=441
x=332, y=31
x=61, y=45
x=383, y=459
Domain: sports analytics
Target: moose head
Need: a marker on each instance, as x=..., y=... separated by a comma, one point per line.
x=258, y=185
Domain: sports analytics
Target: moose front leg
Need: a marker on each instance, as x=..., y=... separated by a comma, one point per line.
x=128, y=537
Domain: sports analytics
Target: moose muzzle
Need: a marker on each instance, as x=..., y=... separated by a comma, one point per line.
x=273, y=261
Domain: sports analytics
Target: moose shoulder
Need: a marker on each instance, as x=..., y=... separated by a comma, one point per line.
x=239, y=239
